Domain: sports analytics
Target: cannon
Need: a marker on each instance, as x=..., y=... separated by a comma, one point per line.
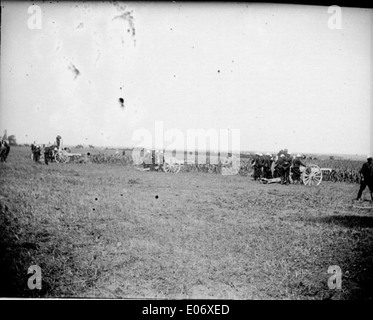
x=53, y=154
x=155, y=160
x=311, y=175
x=50, y=154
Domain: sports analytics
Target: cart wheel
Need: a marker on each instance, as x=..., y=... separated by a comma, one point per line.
x=176, y=167
x=60, y=158
x=57, y=158
x=166, y=167
x=312, y=175
x=171, y=166
x=64, y=158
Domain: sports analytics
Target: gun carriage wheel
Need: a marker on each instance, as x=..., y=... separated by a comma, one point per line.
x=312, y=175
x=61, y=158
x=171, y=165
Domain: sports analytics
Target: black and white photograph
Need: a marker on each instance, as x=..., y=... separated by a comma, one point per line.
x=162, y=151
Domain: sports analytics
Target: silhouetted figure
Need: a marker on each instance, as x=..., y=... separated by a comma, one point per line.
x=297, y=162
x=366, y=174
x=4, y=150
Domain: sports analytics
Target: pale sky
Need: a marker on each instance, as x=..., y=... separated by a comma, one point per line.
x=277, y=73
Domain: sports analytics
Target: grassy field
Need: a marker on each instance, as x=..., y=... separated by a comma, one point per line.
x=106, y=230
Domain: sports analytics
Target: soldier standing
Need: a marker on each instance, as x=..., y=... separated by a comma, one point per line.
x=58, y=142
x=286, y=167
x=275, y=172
x=366, y=175
x=267, y=173
x=36, y=152
x=257, y=164
x=296, y=167
x=280, y=167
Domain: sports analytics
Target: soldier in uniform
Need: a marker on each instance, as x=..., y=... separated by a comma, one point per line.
x=267, y=173
x=366, y=175
x=297, y=162
x=257, y=164
x=275, y=172
x=36, y=152
x=286, y=167
x=58, y=142
x=280, y=167
x=4, y=149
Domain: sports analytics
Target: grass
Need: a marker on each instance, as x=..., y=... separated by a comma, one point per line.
x=107, y=230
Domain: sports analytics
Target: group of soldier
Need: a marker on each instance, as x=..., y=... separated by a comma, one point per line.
x=268, y=167
x=48, y=151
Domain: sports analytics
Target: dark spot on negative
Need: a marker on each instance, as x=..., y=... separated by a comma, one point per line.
x=74, y=70
x=121, y=101
x=96, y=199
x=156, y=197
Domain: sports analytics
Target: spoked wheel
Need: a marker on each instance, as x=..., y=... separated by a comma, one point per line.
x=312, y=175
x=61, y=158
x=171, y=166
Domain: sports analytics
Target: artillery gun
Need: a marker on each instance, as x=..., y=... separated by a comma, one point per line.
x=311, y=175
x=52, y=154
x=156, y=160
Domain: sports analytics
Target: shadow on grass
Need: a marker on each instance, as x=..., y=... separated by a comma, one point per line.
x=346, y=221
x=358, y=261
x=14, y=259
x=23, y=245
